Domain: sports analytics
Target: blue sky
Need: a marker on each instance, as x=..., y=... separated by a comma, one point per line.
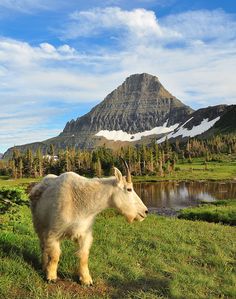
x=59, y=58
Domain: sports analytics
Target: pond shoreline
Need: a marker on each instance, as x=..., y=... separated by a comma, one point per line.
x=142, y=180
x=168, y=198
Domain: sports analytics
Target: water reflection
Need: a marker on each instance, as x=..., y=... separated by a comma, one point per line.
x=178, y=195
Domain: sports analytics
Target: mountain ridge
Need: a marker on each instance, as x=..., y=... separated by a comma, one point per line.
x=136, y=111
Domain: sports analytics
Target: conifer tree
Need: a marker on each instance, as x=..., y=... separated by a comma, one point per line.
x=51, y=150
x=39, y=162
x=20, y=168
x=28, y=165
x=161, y=173
x=13, y=169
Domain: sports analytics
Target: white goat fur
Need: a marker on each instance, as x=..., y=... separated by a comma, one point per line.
x=66, y=206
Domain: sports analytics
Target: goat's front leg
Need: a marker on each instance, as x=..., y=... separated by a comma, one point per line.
x=85, y=242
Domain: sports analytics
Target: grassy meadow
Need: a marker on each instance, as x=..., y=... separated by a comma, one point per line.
x=197, y=170
x=6, y=181
x=158, y=258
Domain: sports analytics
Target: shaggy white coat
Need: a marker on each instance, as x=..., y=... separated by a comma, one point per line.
x=66, y=206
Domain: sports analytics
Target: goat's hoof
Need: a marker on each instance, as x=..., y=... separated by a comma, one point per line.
x=51, y=281
x=86, y=281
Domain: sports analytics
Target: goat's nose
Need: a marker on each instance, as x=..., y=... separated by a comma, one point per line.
x=146, y=212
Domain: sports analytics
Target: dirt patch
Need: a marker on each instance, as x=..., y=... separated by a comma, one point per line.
x=76, y=290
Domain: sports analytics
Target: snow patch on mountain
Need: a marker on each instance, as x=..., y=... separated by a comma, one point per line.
x=196, y=130
x=124, y=136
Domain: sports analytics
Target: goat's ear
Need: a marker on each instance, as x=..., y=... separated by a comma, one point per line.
x=118, y=175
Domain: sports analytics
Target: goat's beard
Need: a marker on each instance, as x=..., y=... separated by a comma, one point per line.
x=139, y=218
x=131, y=218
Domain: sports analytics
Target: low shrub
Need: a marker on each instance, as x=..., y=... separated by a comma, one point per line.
x=223, y=211
x=12, y=196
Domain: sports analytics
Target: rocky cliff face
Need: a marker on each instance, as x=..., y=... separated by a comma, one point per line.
x=139, y=104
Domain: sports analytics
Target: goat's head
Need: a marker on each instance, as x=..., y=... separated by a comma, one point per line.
x=126, y=200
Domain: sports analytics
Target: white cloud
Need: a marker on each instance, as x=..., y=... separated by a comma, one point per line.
x=24, y=136
x=20, y=127
x=53, y=72
x=142, y=25
x=138, y=24
x=197, y=66
x=138, y=21
x=202, y=25
x=20, y=54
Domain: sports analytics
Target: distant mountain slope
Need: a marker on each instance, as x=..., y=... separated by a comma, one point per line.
x=227, y=123
x=205, y=122
x=1, y=155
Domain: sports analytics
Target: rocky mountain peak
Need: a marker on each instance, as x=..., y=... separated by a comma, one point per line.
x=140, y=103
x=139, y=87
x=141, y=82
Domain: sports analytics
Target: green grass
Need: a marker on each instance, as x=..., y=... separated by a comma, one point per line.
x=223, y=211
x=158, y=258
x=6, y=181
x=225, y=170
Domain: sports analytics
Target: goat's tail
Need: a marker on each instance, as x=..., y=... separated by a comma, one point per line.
x=35, y=195
x=38, y=189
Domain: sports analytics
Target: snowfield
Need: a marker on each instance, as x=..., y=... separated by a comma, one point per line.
x=173, y=131
x=196, y=130
x=123, y=136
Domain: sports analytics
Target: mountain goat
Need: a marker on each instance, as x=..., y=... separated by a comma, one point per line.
x=66, y=206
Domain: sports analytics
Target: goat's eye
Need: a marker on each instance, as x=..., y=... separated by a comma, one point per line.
x=129, y=189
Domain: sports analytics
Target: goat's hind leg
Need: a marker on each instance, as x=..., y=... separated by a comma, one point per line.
x=51, y=255
x=44, y=255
